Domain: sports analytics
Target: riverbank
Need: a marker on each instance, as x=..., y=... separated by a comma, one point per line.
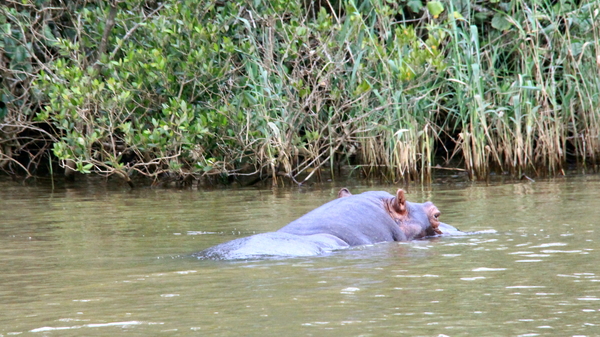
x=245, y=90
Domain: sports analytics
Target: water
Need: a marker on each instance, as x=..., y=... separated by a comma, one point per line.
x=99, y=261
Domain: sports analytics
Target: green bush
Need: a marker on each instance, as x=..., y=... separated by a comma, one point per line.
x=194, y=88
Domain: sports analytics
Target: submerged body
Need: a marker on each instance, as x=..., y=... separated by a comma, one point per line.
x=350, y=220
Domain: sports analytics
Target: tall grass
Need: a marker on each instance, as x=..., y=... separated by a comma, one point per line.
x=525, y=98
x=284, y=90
x=341, y=91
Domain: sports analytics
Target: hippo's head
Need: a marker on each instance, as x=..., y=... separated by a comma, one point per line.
x=416, y=220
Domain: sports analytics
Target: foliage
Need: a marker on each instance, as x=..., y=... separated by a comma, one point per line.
x=194, y=88
x=526, y=91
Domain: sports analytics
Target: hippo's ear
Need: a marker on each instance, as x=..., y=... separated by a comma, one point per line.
x=344, y=193
x=399, y=202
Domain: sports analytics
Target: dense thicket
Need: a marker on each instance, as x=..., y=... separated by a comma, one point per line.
x=193, y=88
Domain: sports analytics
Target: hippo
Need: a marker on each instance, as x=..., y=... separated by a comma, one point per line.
x=348, y=221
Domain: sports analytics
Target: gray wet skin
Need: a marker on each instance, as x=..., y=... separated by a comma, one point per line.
x=350, y=220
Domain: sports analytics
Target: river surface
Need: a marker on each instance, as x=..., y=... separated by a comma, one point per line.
x=94, y=260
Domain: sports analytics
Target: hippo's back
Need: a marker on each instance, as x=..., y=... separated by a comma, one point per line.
x=357, y=220
x=272, y=244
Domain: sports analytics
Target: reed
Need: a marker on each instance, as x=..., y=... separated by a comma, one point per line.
x=524, y=98
x=284, y=90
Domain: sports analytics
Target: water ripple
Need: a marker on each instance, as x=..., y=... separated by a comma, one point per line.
x=551, y=244
x=488, y=269
x=92, y=325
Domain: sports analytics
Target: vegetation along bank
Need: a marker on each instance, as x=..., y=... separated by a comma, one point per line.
x=217, y=90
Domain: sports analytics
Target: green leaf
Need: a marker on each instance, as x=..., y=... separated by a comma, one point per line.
x=362, y=88
x=84, y=168
x=415, y=5
x=50, y=39
x=576, y=48
x=87, y=168
x=301, y=31
x=435, y=8
x=458, y=16
x=480, y=17
x=500, y=23
x=20, y=54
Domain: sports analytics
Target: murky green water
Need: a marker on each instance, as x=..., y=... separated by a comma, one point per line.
x=93, y=261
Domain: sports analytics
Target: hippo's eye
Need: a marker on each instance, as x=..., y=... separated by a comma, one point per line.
x=436, y=215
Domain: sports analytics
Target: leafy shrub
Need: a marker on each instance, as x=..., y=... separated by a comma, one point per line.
x=194, y=88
